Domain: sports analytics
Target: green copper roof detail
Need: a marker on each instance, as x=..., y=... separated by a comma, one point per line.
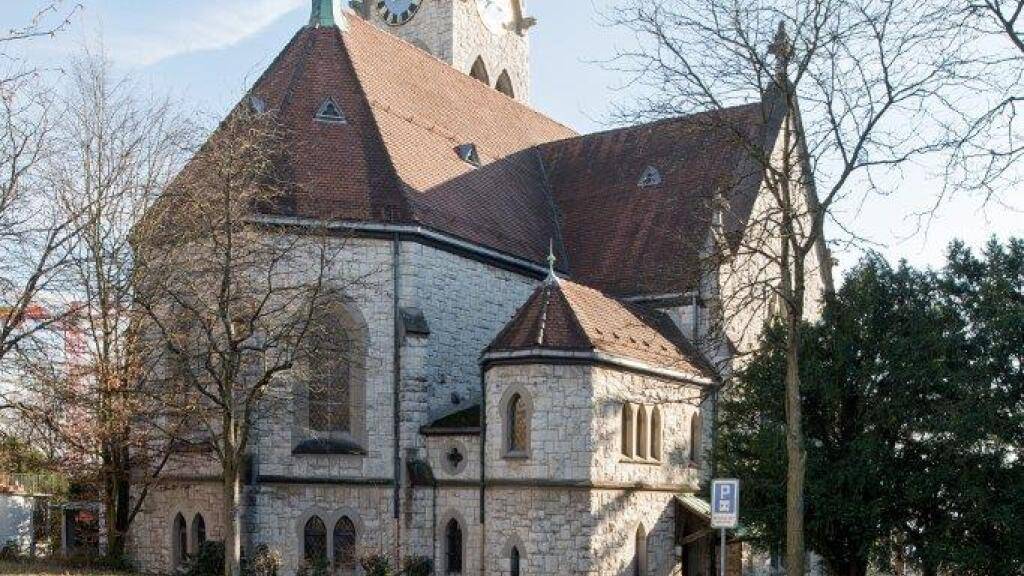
x=327, y=13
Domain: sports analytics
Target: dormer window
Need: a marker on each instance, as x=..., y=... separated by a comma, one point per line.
x=330, y=112
x=650, y=177
x=468, y=154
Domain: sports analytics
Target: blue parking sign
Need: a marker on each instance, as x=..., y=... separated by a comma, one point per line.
x=725, y=503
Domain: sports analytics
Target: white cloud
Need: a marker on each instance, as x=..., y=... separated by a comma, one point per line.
x=209, y=25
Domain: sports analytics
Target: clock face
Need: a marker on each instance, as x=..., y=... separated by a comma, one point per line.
x=397, y=12
x=497, y=14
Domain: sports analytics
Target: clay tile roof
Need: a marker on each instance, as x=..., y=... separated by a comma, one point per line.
x=566, y=316
x=632, y=240
x=393, y=160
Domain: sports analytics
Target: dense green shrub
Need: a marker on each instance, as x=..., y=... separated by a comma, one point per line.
x=264, y=562
x=209, y=561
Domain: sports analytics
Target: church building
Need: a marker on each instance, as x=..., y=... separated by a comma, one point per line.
x=538, y=355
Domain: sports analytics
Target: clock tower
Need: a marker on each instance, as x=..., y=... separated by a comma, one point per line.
x=487, y=39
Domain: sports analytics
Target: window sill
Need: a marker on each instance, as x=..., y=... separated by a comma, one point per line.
x=640, y=461
x=325, y=446
x=516, y=456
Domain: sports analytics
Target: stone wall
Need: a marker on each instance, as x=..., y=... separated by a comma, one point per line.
x=619, y=515
x=151, y=535
x=576, y=424
x=281, y=511
x=508, y=51
x=678, y=405
x=453, y=32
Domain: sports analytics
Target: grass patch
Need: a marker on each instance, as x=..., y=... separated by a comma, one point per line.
x=53, y=569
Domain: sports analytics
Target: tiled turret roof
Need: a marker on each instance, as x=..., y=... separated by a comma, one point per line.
x=568, y=317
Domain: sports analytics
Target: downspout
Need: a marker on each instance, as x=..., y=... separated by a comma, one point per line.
x=396, y=367
x=483, y=470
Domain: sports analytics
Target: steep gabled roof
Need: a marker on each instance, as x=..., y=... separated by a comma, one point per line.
x=393, y=160
x=629, y=239
x=569, y=317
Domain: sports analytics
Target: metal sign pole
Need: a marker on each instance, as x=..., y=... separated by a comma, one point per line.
x=722, y=554
x=725, y=511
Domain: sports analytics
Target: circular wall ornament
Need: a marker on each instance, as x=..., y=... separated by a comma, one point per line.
x=496, y=14
x=397, y=12
x=454, y=457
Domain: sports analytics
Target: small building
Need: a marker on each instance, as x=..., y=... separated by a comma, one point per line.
x=23, y=518
x=81, y=529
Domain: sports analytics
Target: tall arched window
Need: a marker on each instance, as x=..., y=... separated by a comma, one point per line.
x=696, y=437
x=515, y=561
x=328, y=359
x=518, y=431
x=504, y=84
x=641, y=432
x=627, y=430
x=198, y=532
x=453, y=547
x=345, y=544
x=640, y=553
x=180, y=540
x=479, y=71
x=314, y=540
x=656, y=433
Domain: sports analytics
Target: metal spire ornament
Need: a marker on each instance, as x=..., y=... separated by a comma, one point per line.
x=552, y=277
x=328, y=13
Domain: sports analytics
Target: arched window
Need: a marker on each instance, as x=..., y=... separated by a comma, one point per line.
x=314, y=540
x=656, y=433
x=641, y=432
x=198, y=532
x=504, y=85
x=345, y=544
x=696, y=437
x=180, y=540
x=479, y=71
x=328, y=358
x=453, y=547
x=640, y=553
x=515, y=561
x=518, y=431
x=627, y=430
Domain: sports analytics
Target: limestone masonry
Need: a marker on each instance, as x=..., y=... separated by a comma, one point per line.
x=556, y=309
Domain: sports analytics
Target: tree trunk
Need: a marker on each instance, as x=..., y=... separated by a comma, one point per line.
x=118, y=545
x=232, y=517
x=796, y=465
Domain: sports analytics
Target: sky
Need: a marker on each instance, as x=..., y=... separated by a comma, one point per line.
x=205, y=53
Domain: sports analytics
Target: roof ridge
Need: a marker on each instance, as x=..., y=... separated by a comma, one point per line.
x=574, y=314
x=656, y=122
x=300, y=67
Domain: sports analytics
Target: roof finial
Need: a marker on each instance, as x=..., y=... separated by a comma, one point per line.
x=328, y=13
x=551, y=262
x=782, y=49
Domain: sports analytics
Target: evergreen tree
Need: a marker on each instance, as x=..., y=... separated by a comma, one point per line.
x=913, y=414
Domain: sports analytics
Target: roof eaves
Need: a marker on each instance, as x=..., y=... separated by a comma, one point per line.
x=594, y=356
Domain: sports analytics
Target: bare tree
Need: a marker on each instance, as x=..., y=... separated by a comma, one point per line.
x=985, y=130
x=846, y=91
x=233, y=304
x=118, y=152
x=34, y=235
x=48, y=19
